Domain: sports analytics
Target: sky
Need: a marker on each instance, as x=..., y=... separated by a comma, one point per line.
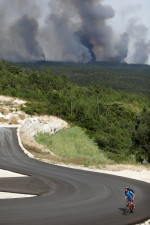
x=126, y=10
x=75, y=30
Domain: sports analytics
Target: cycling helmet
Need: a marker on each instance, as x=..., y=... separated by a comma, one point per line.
x=126, y=188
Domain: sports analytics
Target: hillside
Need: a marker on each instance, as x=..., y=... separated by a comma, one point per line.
x=118, y=122
x=128, y=77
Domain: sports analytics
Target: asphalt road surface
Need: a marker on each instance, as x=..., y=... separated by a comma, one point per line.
x=64, y=196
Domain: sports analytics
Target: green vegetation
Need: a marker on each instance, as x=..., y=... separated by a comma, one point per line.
x=74, y=145
x=127, y=77
x=118, y=122
x=141, y=139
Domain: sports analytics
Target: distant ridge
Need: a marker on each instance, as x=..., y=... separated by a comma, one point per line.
x=119, y=76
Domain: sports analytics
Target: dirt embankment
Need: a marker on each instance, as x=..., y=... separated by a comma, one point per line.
x=29, y=126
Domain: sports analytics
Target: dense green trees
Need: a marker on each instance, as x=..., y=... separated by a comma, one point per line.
x=126, y=77
x=141, y=137
x=114, y=119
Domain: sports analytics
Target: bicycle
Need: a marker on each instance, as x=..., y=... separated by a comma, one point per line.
x=129, y=207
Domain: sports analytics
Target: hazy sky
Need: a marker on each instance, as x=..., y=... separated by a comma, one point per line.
x=75, y=30
x=128, y=9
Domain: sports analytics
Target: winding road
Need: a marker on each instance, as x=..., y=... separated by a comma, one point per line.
x=64, y=196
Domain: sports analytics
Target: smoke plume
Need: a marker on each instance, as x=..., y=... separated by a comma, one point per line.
x=84, y=24
x=19, y=31
x=72, y=30
x=138, y=33
x=26, y=29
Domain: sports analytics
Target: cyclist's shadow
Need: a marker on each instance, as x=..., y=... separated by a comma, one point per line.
x=123, y=210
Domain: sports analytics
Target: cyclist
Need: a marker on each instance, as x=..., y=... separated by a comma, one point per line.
x=129, y=196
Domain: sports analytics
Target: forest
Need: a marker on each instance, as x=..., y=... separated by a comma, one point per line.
x=117, y=119
x=118, y=76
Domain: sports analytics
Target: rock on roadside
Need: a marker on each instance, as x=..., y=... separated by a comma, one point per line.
x=42, y=124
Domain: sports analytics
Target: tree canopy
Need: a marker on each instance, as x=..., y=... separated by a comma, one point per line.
x=117, y=121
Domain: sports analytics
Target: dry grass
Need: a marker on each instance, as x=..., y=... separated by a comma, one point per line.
x=37, y=150
x=13, y=120
x=8, y=103
x=22, y=116
x=44, y=156
x=32, y=149
x=4, y=111
x=3, y=120
x=119, y=167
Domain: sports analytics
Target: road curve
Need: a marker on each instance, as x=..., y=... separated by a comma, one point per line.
x=65, y=196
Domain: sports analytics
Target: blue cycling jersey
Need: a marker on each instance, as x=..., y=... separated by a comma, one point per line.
x=129, y=195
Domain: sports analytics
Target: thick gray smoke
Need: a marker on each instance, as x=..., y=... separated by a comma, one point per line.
x=93, y=31
x=122, y=47
x=142, y=51
x=138, y=33
x=83, y=25
x=19, y=30
x=26, y=29
x=73, y=30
